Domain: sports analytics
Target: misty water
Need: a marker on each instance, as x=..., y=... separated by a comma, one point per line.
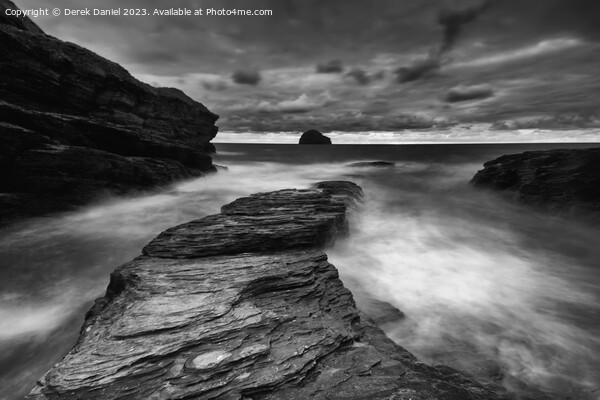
x=488, y=286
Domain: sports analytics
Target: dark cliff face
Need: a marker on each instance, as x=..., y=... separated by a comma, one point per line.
x=73, y=124
x=244, y=305
x=560, y=180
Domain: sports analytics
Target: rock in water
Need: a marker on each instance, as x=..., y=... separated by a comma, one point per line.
x=243, y=305
x=314, y=137
x=555, y=179
x=376, y=164
x=74, y=125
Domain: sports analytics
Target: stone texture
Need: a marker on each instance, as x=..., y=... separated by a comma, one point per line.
x=60, y=100
x=189, y=321
x=261, y=222
x=559, y=180
x=314, y=137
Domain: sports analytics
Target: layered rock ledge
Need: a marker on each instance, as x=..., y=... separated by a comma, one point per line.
x=557, y=180
x=74, y=125
x=244, y=305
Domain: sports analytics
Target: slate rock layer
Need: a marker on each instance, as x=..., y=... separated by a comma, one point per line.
x=244, y=305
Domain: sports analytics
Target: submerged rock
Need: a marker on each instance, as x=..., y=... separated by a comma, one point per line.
x=381, y=312
x=314, y=137
x=554, y=179
x=244, y=305
x=349, y=194
x=75, y=125
x=378, y=164
x=221, y=168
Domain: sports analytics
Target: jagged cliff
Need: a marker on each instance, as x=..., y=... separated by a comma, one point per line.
x=74, y=125
x=244, y=305
x=557, y=180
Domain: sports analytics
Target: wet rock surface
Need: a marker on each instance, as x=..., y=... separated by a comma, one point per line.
x=558, y=180
x=67, y=113
x=264, y=317
x=314, y=137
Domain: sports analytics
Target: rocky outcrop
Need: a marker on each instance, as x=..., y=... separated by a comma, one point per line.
x=244, y=305
x=561, y=180
x=73, y=124
x=376, y=164
x=314, y=137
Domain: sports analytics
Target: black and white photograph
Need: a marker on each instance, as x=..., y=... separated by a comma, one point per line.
x=300, y=199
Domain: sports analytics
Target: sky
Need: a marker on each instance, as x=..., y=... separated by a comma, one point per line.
x=358, y=65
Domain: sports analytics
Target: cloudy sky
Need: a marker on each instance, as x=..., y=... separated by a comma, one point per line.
x=355, y=65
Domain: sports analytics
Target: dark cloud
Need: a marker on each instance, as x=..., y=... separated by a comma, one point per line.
x=453, y=20
x=378, y=75
x=418, y=69
x=360, y=76
x=215, y=84
x=246, y=77
x=466, y=93
x=330, y=67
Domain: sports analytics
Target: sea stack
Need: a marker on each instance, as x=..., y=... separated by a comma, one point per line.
x=313, y=136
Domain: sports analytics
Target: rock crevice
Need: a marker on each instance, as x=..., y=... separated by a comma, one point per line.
x=260, y=315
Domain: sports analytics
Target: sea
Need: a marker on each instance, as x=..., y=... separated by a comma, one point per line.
x=499, y=290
